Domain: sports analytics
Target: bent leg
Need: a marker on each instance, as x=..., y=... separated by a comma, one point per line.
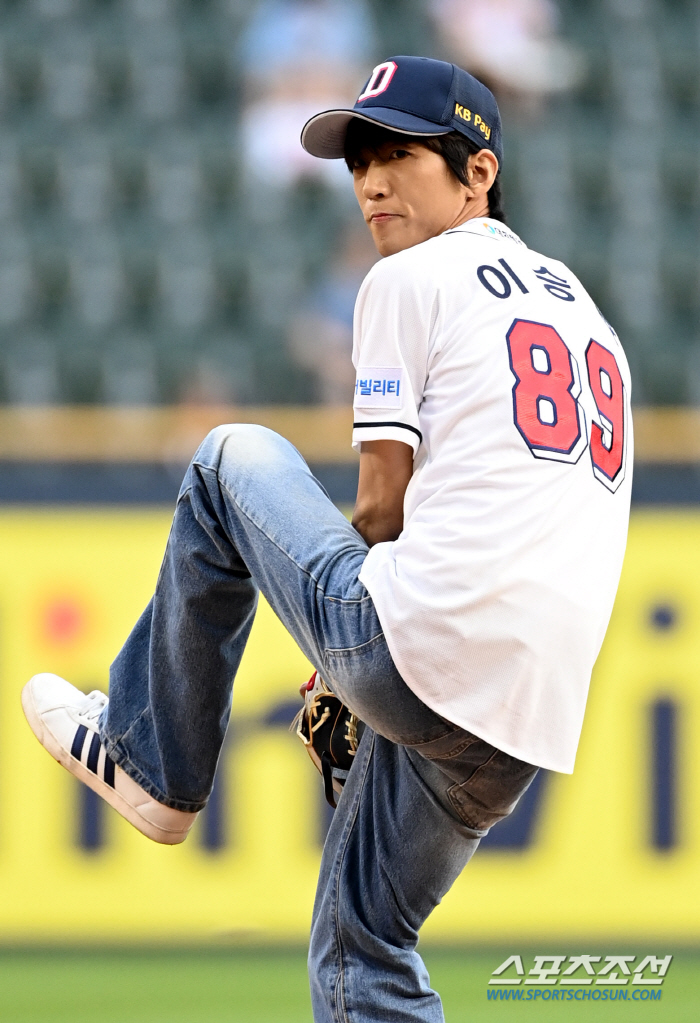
x=250, y=516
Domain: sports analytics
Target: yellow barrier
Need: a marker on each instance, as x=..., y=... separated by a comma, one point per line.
x=72, y=583
x=93, y=433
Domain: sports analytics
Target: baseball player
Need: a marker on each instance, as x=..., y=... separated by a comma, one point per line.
x=455, y=623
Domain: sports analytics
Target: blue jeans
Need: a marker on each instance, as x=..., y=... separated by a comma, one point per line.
x=251, y=517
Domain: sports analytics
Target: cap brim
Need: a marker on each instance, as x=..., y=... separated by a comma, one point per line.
x=324, y=134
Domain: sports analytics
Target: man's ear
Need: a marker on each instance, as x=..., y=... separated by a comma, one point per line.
x=482, y=169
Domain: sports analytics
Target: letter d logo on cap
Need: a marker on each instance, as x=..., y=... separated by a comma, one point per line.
x=379, y=80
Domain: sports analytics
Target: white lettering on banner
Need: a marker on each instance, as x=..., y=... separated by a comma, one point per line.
x=379, y=387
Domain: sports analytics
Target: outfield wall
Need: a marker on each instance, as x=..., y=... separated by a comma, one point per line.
x=613, y=850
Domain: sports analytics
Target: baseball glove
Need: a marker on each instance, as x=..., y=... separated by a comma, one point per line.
x=329, y=732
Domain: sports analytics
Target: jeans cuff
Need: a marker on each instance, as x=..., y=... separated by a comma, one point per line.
x=118, y=754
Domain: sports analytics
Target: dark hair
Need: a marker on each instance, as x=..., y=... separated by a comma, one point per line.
x=454, y=148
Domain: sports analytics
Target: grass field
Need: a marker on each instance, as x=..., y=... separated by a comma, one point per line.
x=252, y=986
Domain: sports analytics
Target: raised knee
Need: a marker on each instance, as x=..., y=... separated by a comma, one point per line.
x=243, y=444
x=240, y=433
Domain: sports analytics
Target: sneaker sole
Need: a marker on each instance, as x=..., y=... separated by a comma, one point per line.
x=51, y=744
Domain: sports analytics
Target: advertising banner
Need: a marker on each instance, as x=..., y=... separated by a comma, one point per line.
x=613, y=850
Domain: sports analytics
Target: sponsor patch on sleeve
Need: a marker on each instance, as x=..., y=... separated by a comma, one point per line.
x=379, y=387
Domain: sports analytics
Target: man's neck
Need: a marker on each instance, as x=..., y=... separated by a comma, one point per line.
x=474, y=209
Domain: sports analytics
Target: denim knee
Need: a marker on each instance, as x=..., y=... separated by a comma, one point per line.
x=242, y=445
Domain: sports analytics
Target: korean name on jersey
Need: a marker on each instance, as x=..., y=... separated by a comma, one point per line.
x=495, y=365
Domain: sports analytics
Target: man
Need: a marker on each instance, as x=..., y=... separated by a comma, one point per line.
x=460, y=615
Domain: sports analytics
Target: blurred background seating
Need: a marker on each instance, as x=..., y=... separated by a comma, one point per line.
x=164, y=239
x=512, y=45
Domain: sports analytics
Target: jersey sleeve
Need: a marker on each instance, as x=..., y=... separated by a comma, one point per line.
x=394, y=319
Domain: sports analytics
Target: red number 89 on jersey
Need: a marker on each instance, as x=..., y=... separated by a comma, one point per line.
x=546, y=400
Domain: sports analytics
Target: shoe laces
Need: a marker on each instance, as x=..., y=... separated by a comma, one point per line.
x=93, y=705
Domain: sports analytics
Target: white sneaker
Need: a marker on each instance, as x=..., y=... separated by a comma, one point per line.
x=64, y=721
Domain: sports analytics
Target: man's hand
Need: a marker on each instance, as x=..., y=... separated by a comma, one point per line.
x=386, y=466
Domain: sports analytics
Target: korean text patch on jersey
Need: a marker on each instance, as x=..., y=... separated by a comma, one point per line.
x=379, y=387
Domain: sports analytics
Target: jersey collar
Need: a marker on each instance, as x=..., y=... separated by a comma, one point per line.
x=487, y=228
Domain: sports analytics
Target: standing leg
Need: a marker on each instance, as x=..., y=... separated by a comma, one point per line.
x=391, y=854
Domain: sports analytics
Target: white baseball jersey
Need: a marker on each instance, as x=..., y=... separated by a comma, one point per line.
x=494, y=364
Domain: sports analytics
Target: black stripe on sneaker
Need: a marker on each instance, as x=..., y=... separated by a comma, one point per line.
x=109, y=771
x=94, y=754
x=76, y=749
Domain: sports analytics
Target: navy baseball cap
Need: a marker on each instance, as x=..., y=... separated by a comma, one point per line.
x=413, y=96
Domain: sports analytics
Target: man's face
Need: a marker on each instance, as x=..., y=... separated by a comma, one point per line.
x=407, y=194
